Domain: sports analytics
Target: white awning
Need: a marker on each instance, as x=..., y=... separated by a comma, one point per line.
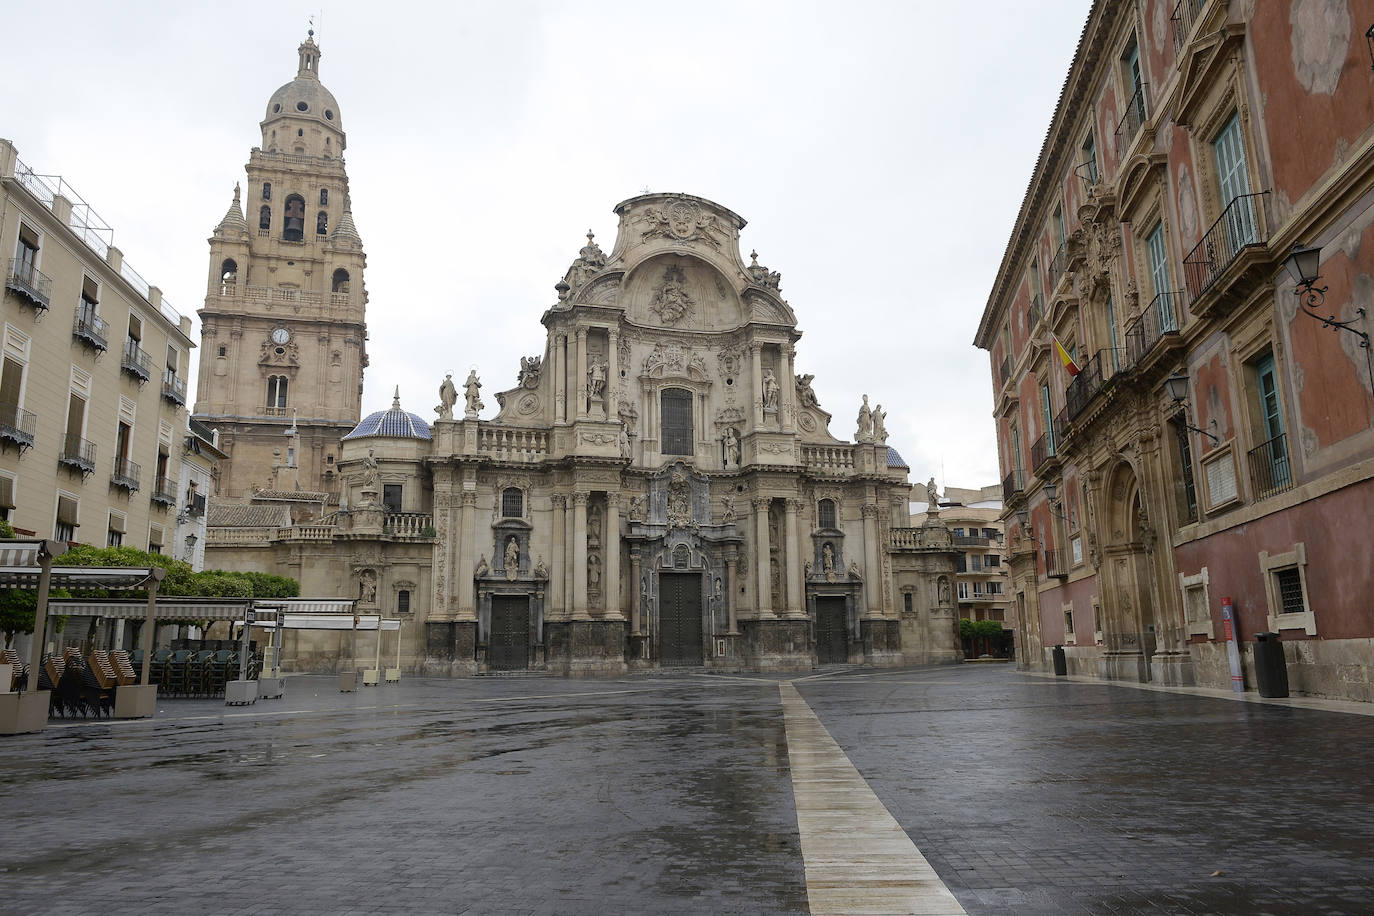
x=338, y=622
x=168, y=608
x=78, y=577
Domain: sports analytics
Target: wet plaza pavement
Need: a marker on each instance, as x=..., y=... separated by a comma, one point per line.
x=673, y=794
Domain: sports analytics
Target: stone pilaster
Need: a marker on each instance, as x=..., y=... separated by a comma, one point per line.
x=579, y=560
x=581, y=373
x=559, y=373
x=872, y=565
x=612, y=375
x=763, y=589
x=795, y=597
x=611, y=591
x=558, y=593
x=756, y=368
x=467, y=535
x=787, y=384
x=731, y=592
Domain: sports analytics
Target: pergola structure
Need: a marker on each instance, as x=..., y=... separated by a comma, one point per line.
x=28, y=564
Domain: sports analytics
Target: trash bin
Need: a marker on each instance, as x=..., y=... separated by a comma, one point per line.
x=1061, y=663
x=1271, y=671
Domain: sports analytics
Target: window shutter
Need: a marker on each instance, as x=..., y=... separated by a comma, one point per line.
x=6, y=492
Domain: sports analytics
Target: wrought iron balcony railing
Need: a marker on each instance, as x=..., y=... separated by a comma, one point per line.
x=1105, y=364
x=195, y=505
x=1130, y=121
x=89, y=328
x=30, y=284
x=174, y=388
x=165, y=492
x=125, y=474
x=1059, y=264
x=136, y=362
x=1270, y=470
x=1185, y=14
x=1013, y=485
x=1037, y=311
x=78, y=453
x=17, y=425
x=1239, y=226
x=1160, y=317
x=1042, y=450
x=1055, y=567
x=1004, y=370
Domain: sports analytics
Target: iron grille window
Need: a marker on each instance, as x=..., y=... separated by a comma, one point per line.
x=825, y=513
x=403, y=601
x=512, y=502
x=391, y=497
x=677, y=421
x=1289, y=582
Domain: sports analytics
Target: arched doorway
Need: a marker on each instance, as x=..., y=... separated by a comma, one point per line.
x=1129, y=615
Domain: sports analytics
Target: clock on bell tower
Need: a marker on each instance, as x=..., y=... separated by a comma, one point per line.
x=283, y=330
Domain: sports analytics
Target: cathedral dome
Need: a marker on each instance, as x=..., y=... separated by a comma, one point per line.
x=305, y=96
x=391, y=424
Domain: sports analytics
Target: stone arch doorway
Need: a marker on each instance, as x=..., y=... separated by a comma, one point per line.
x=1129, y=624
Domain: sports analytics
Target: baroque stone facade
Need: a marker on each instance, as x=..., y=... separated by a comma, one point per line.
x=659, y=486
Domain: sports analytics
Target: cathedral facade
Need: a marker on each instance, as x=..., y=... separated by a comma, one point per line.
x=659, y=487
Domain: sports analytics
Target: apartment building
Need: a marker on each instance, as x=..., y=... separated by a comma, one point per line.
x=1185, y=410
x=93, y=388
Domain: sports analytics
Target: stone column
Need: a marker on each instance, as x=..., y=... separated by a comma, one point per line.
x=787, y=384
x=612, y=374
x=558, y=593
x=872, y=565
x=559, y=376
x=731, y=592
x=795, y=594
x=579, y=596
x=610, y=591
x=764, y=590
x=635, y=610
x=467, y=537
x=756, y=361
x=581, y=373
x=568, y=589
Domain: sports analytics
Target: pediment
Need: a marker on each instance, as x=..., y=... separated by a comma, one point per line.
x=767, y=310
x=1198, y=75
x=1135, y=179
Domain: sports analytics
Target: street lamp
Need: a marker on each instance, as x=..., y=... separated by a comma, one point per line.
x=1177, y=387
x=1303, y=264
x=1051, y=493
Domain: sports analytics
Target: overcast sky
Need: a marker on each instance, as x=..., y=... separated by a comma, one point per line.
x=879, y=152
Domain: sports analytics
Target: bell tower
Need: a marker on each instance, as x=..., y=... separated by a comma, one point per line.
x=283, y=330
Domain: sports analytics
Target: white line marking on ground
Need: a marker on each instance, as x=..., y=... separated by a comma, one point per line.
x=858, y=858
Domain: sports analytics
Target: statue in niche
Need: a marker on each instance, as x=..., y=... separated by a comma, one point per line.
x=879, y=428
x=540, y=570
x=771, y=389
x=624, y=441
x=728, y=514
x=637, y=508
x=865, y=431
x=367, y=586
x=593, y=525
x=512, y=558
x=805, y=394
x=720, y=588
x=594, y=572
x=370, y=473
x=807, y=568
x=482, y=567
x=596, y=379
x=944, y=590
x=448, y=396
x=828, y=561
x=731, y=447
x=932, y=494
x=671, y=300
x=679, y=501
x=854, y=569
x=471, y=388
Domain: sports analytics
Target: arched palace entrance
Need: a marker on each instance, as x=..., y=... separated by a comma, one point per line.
x=1129, y=609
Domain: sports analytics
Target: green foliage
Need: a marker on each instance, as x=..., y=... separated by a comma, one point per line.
x=966, y=628
x=5, y=530
x=990, y=629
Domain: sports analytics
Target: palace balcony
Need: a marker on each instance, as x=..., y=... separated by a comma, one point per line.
x=1055, y=565
x=1093, y=378
x=1185, y=14
x=1240, y=226
x=78, y=453
x=136, y=362
x=173, y=388
x=125, y=475
x=1270, y=470
x=29, y=284
x=1161, y=317
x=89, y=328
x=1013, y=485
x=17, y=425
x=164, y=492
x=1131, y=121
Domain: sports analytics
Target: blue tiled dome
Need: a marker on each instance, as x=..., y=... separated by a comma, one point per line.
x=392, y=424
x=894, y=459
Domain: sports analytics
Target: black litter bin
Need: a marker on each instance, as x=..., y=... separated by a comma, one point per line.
x=1271, y=671
x=1061, y=663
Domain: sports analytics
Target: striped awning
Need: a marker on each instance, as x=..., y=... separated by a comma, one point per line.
x=167, y=608
x=309, y=605
x=77, y=577
x=339, y=622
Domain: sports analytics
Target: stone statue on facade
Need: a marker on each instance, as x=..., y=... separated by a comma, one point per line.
x=865, y=431
x=728, y=513
x=471, y=389
x=805, y=394
x=594, y=572
x=530, y=368
x=512, y=558
x=370, y=474
x=679, y=501
x=367, y=586
x=731, y=447
x=624, y=437
x=482, y=567
x=932, y=495
x=540, y=570
x=637, y=508
x=771, y=390
x=448, y=396
x=593, y=526
x=828, y=561
x=596, y=379
x=944, y=590
x=854, y=569
x=879, y=427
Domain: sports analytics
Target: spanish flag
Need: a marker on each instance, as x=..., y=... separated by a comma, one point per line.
x=1070, y=366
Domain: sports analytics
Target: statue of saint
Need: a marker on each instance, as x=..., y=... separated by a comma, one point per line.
x=482, y=567
x=637, y=508
x=828, y=560
x=932, y=494
x=805, y=394
x=728, y=515
x=540, y=570
x=879, y=429
x=596, y=379
x=448, y=396
x=370, y=473
x=944, y=590
x=731, y=447
x=771, y=389
x=512, y=558
x=865, y=431
x=594, y=571
x=471, y=388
